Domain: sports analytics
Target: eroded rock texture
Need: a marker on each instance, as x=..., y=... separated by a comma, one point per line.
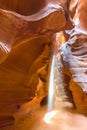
x=74, y=58
x=25, y=53
x=26, y=37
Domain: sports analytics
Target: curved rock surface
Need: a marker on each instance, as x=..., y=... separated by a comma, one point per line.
x=13, y=24
x=74, y=58
x=25, y=48
x=26, y=32
x=25, y=7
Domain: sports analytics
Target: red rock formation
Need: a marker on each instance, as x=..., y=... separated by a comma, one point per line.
x=38, y=23
x=25, y=7
x=25, y=51
x=74, y=58
x=25, y=43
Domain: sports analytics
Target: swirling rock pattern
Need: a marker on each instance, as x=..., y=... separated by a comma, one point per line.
x=25, y=48
x=26, y=31
x=74, y=57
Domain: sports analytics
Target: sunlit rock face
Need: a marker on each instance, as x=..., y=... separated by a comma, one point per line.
x=74, y=54
x=72, y=7
x=26, y=37
x=74, y=58
x=25, y=52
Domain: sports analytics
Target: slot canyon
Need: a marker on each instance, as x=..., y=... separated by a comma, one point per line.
x=43, y=65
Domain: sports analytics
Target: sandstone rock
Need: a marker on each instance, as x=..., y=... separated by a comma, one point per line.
x=24, y=49
x=25, y=7
x=74, y=54
x=80, y=18
x=74, y=57
x=26, y=30
x=73, y=6
x=12, y=24
x=27, y=109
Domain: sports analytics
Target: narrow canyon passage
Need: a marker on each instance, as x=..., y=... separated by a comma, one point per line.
x=59, y=113
x=43, y=65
